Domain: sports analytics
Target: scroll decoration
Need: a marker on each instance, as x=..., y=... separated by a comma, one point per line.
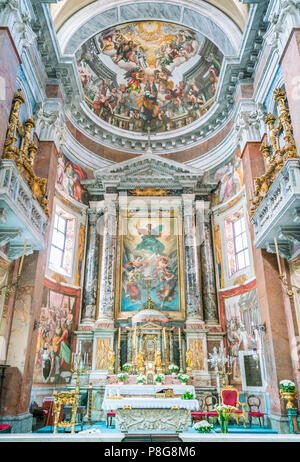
x=24, y=154
x=275, y=156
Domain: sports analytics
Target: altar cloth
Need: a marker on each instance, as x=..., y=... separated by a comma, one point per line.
x=150, y=403
x=135, y=389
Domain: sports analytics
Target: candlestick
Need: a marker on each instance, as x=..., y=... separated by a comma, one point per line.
x=180, y=351
x=119, y=351
x=23, y=255
x=119, y=337
x=278, y=256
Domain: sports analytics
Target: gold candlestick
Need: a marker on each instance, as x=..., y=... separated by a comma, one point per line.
x=180, y=351
x=77, y=370
x=119, y=350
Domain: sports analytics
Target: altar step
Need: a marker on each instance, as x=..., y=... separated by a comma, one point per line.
x=152, y=438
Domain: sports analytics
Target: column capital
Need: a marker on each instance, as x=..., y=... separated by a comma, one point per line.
x=249, y=123
x=50, y=122
x=18, y=24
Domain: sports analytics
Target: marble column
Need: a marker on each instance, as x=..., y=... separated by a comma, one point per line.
x=209, y=295
x=108, y=263
x=270, y=295
x=194, y=308
x=91, y=270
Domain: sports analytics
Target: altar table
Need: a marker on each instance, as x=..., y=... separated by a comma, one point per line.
x=149, y=403
x=172, y=420
x=135, y=389
x=137, y=408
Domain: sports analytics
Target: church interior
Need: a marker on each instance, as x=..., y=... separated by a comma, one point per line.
x=149, y=228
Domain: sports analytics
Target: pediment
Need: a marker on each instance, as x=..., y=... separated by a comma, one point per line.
x=148, y=170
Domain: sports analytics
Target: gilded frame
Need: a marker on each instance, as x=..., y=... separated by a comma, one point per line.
x=172, y=214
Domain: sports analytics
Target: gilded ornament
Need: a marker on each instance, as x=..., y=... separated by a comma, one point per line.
x=25, y=155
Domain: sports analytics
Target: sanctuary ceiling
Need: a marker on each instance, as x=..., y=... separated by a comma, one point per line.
x=149, y=75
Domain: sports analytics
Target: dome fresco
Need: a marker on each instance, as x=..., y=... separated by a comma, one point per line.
x=149, y=75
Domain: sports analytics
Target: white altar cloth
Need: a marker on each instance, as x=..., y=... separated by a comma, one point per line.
x=150, y=403
x=135, y=389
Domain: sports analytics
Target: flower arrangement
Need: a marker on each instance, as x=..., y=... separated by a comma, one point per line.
x=183, y=378
x=141, y=378
x=187, y=395
x=173, y=368
x=203, y=426
x=287, y=386
x=122, y=377
x=159, y=377
x=126, y=367
x=225, y=412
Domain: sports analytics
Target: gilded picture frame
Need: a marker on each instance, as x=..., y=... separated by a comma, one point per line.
x=175, y=225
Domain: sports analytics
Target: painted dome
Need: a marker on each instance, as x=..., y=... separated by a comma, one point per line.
x=149, y=315
x=149, y=75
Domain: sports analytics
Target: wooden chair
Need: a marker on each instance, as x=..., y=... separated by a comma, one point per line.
x=254, y=403
x=198, y=415
x=109, y=417
x=211, y=401
x=230, y=396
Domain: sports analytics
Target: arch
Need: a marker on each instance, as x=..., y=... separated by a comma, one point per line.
x=203, y=18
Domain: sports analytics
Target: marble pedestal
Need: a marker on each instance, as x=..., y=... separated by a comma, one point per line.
x=174, y=420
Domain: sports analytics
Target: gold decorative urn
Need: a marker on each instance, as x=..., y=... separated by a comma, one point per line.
x=289, y=396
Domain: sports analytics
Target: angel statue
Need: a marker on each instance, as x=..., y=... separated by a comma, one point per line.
x=111, y=360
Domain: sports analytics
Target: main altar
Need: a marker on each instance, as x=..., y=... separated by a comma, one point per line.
x=150, y=407
x=149, y=297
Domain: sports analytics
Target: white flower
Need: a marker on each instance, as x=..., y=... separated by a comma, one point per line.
x=141, y=378
x=173, y=368
x=287, y=383
x=159, y=377
x=203, y=424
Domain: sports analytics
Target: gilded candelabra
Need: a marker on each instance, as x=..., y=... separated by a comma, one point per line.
x=275, y=156
x=78, y=369
x=24, y=155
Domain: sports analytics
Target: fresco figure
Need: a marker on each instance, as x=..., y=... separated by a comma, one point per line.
x=149, y=78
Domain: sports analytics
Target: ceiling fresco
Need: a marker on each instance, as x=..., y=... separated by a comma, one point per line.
x=149, y=75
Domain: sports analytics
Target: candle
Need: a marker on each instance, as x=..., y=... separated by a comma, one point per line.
x=119, y=337
x=278, y=256
x=134, y=338
x=179, y=337
x=23, y=255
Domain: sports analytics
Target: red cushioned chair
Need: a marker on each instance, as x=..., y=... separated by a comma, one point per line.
x=109, y=417
x=254, y=410
x=5, y=428
x=230, y=397
x=198, y=415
